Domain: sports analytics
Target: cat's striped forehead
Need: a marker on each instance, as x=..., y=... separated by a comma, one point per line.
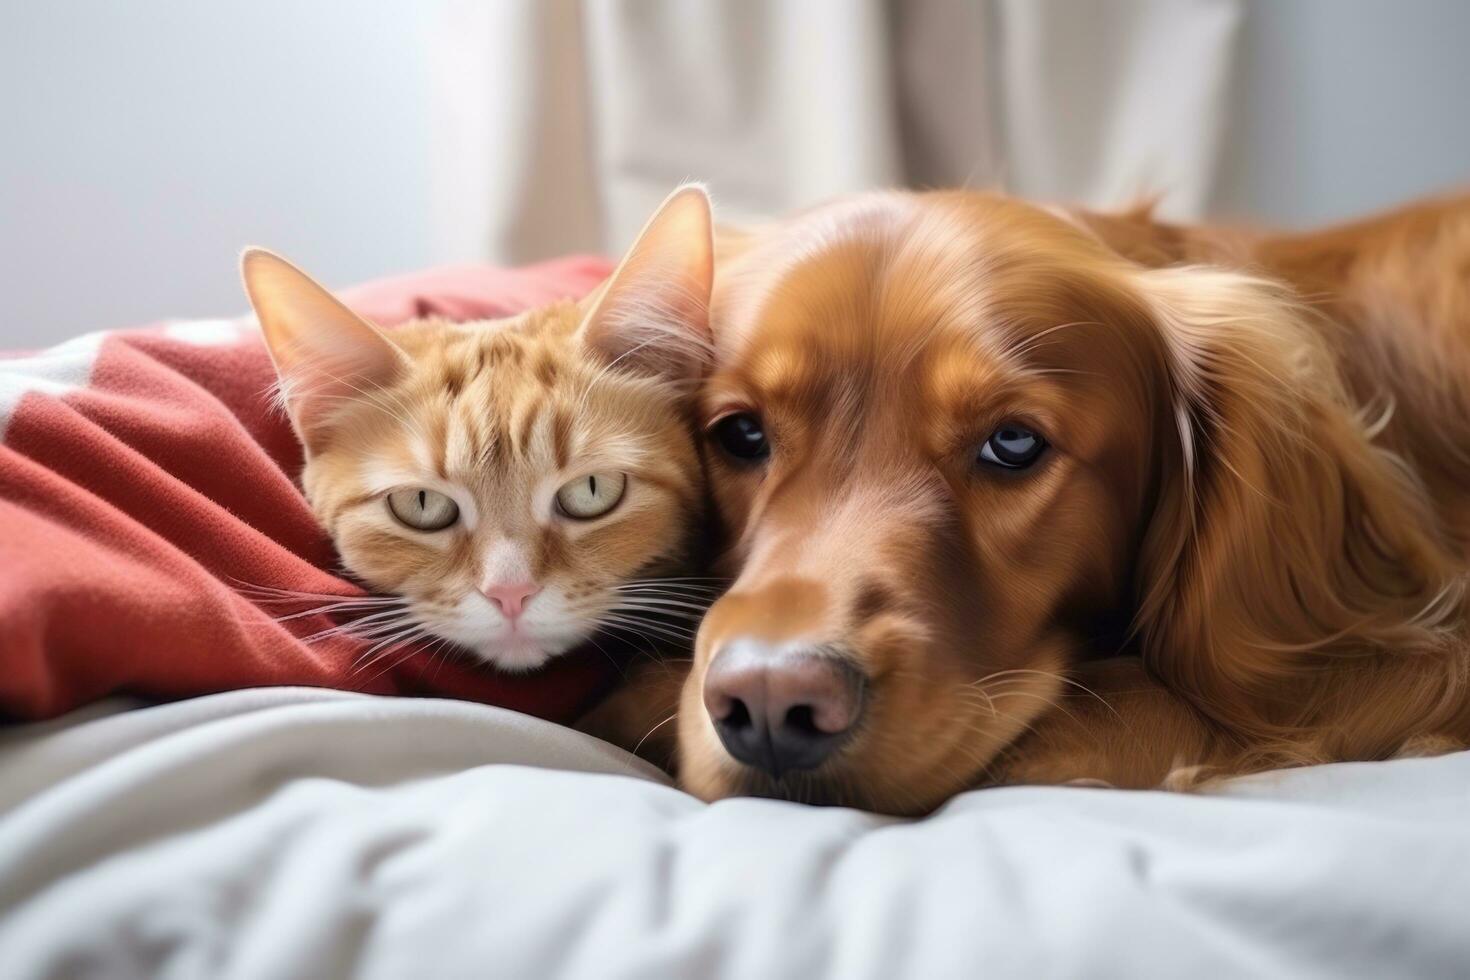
x=496, y=395
x=505, y=409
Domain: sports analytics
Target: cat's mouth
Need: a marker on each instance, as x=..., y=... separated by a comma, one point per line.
x=480, y=633
x=549, y=627
x=516, y=652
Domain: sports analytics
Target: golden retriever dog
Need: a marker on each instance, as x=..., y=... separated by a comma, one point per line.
x=1024, y=495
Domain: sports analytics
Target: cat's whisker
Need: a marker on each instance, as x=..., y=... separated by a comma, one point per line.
x=698, y=603
x=657, y=614
x=392, y=664
x=642, y=630
x=665, y=593
x=379, y=629
x=376, y=607
x=679, y=586
x=282, y=596
x=385, y=647
x=386, y=627
x=325, y=611
x=371, y=617
x=333, y=607
x=592, y=639
x=357, y=672
x=612, y=629
x=669, y=619
x=696, y=595
x=676, y=610
x=662, y=629
x=681, y=579
x=368, y=627
x=686, y=628
x=693, y=588
x=441, y=649
x=368, y=635
x=269, y=592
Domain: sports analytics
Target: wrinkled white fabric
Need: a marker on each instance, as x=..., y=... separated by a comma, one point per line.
x=294, y=833
x=560, y=124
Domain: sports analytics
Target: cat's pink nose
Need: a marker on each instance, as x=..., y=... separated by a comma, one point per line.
x=511, y=597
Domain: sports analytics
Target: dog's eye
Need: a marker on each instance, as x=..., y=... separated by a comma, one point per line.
x=423, y=510
x=1013, y=447
x=741, y=436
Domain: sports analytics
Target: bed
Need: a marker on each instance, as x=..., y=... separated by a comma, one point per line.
x=292, y=832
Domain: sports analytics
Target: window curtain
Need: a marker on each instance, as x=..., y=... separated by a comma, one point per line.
x=560, y=124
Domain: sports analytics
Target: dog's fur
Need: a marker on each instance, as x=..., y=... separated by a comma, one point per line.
x=1245, y=548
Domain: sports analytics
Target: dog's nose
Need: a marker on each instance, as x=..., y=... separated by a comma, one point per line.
x=780, y=709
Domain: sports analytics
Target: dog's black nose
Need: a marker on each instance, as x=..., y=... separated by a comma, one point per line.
x=781, y=709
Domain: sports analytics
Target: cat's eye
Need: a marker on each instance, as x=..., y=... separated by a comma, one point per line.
x=423, y=510
x=1012, y=447
x=743, y=437
x=591, y=496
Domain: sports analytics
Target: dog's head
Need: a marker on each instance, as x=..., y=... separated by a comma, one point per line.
x=955, y=442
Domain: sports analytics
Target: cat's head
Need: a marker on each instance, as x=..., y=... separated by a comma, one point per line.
x=507, y=479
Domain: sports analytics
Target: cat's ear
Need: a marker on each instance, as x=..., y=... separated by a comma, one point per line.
x=323, y=352
x=652, y=315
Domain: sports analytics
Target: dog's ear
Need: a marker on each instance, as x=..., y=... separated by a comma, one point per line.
x=1283, y=542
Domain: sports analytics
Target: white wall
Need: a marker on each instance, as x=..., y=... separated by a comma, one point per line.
x=1343, y=106
x=143, y=144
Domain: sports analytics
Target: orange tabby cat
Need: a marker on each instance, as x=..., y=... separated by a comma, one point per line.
x=516, y=482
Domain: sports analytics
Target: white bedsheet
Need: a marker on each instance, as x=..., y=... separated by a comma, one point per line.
x=295, y=833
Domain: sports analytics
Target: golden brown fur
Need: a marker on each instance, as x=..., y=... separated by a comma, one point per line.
x=1246, y=546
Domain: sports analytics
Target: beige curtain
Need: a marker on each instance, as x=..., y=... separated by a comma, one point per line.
x=562, y=123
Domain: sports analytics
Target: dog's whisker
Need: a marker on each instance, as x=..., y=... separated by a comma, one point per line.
x=652, y=730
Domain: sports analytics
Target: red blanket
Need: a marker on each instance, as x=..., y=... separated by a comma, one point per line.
x=150, y=519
